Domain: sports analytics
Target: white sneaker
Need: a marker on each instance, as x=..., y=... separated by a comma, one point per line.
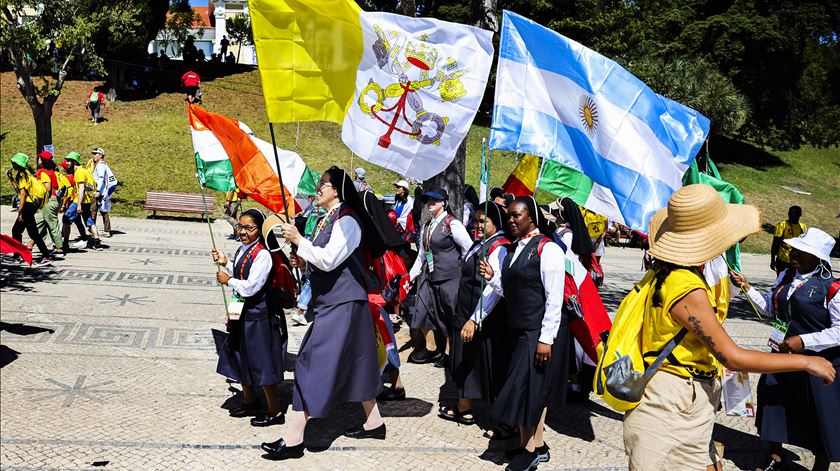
x=105, y=234
x=299, y=319
x=82, y=244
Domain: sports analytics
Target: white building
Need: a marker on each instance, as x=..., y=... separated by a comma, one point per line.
x=212, y=30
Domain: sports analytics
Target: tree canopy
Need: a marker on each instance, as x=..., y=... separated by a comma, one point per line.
x=763, y=70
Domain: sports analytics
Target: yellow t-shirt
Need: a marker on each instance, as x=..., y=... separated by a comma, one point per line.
x=693, y=358
x=786, y=230
x=83, y=176
x=595, y=223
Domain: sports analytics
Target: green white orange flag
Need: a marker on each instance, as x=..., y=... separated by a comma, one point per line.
x=226, y=147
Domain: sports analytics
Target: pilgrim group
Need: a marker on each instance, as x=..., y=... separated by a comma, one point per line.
x=52, y=198
x=490, y=308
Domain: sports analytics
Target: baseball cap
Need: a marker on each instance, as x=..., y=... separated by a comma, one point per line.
x=45, y=154
x=436, y=193
x=401, y=183
x=360, y=172
x=98, y=150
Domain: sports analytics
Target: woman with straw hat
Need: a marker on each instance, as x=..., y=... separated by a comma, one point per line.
x=795, y=408
x=672, y=426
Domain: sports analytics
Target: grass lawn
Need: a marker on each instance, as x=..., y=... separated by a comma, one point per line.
x=148, y=145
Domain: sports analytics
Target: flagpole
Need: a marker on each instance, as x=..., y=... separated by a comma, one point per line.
x=283, y=188
x=485, y=167
x=539, y=176
x=279, y=173
x=212, y=238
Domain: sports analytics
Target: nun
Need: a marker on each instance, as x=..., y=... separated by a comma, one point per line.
x=798, y=408
x=337, y=360
x=443, y=241
x=571, y=235
x=531, y=279
x=259, y=335
x=479, y=353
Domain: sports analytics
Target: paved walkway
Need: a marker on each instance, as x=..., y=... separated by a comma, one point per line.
x=108, y=363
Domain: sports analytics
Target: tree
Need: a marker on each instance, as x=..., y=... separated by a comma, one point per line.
x=180, y=19
x=43, y=43
x=240, y=32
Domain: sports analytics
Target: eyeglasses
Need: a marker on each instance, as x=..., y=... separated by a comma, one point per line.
x=322, y=185
x=239, y=227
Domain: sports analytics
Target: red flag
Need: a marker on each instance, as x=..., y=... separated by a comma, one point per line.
x=8, y=245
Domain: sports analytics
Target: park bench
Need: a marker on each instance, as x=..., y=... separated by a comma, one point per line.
x=177, y=202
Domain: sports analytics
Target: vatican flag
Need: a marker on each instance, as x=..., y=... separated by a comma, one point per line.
x=405, y=90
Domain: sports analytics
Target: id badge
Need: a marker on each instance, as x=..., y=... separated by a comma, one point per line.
x=430, y=261
x=777, y=336
x=234, y=309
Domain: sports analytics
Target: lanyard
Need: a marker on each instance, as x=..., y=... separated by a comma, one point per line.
x=248, y=255
x=323, y=223
x=793, y=290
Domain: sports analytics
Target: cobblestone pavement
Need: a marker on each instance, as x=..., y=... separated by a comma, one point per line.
x=108, y=363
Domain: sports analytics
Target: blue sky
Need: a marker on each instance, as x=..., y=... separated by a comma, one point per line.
x=198, y=3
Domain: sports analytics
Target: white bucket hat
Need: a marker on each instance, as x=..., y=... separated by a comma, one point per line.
x=814, y=242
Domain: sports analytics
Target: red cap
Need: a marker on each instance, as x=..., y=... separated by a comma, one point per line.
x=46, y=155
x=64, y=164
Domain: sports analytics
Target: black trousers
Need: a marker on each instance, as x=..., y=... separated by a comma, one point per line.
x=27, y=213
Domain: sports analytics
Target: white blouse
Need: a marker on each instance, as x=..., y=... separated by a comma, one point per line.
x=257, y=275
x=345, y=238
x=816, y=341
x=553, y=276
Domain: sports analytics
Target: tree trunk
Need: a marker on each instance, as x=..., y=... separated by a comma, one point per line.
x=116, y=78
x=42, y=114
x=408, y=7
x=238, y=50
x=451, y=180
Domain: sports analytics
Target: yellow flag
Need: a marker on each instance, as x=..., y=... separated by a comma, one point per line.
x=308, y=53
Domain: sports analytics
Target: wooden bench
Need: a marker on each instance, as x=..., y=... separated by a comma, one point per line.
x=192, y=203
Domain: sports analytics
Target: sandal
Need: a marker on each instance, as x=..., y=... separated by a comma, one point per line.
x=391, y=394
x=452, y=414
x=501, y=432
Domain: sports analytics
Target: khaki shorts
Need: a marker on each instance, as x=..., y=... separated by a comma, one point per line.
x=671, y=429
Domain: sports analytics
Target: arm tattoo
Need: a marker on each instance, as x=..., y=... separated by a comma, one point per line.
x=697, y=330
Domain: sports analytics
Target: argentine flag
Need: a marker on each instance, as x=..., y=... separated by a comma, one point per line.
x=562, y=101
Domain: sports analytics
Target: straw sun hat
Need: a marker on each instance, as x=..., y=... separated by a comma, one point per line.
x=697, y=226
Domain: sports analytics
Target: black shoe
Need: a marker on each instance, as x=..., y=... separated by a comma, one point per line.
x=278, y=450
x=511, y=454
x=245, y=410
x=360, y=432
x=441, y=361
x=391, y=394
x=525, y=461
x=543, y=453
x=419, y=356
x=268, y=420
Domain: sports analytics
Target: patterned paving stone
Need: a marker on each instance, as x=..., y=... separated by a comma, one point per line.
x=108, y=362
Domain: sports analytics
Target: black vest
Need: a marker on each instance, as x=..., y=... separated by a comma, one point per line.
x=445, y=252
x=524, y=290
x=339, y=285
x=469, y=291
x=255, y=307
x=805, y=311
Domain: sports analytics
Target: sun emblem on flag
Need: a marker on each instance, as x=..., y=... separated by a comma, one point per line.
x=588, y=114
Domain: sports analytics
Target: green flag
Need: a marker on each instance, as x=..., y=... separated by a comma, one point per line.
x=215, y=174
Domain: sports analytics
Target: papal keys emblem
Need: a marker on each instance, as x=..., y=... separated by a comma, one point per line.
x=416, y=67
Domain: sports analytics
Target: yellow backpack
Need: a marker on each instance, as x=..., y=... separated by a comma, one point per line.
x=63, y=186
x=621, y=376
x=37, y=191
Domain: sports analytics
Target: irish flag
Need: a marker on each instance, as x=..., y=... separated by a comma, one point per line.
x=228, y=155
x=404, y=89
